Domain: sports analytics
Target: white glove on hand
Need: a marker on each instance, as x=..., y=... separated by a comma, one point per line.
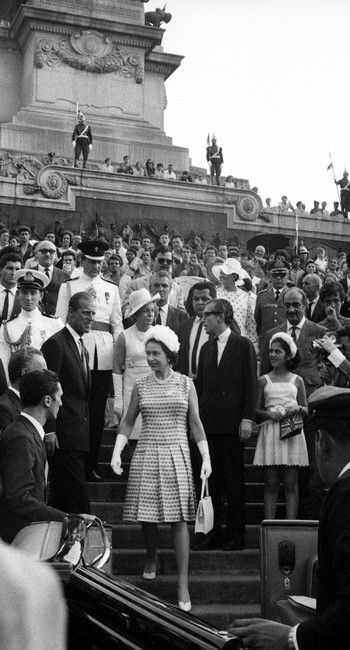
x=90, y=147
x=73, y=144
x=118, y=394
x=206, y=464
x=116, y=463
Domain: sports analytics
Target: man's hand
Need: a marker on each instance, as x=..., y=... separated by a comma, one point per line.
x=51, y=443
x=261, y=634
x=245, y=430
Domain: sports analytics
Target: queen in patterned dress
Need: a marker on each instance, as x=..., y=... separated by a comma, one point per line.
x=160, y=486
x=129, y=359
x=280, y=393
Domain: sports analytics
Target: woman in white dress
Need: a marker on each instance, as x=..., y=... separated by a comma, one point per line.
x=160, y=486
x=130, y=360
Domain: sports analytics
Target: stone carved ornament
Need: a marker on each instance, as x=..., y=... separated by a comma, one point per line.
x=90, y=51
x=248, y=208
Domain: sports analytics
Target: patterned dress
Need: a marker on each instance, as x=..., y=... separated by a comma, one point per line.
x=160, y=486
x=270, y=450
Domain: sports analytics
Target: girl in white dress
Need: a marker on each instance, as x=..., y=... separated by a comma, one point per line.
x=280, y=393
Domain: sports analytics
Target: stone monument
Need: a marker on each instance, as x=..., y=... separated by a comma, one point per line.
x=98, y=55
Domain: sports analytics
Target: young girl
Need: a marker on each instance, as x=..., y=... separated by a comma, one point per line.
x=280, y=393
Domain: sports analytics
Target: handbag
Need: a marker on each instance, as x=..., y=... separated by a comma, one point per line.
x=205, y=513
x=291, y=425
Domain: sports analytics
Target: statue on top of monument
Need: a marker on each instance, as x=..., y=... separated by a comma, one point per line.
x=157, y=17
x=81, y=139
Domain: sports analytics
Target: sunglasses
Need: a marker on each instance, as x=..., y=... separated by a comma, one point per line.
x=47, y=250
x=164, y=260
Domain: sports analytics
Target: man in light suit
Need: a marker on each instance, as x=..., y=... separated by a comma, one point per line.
x=46, y=255
x=23, y=456
x=226, y=387
x=65, y=353
x=24, y=360
x=160, y=282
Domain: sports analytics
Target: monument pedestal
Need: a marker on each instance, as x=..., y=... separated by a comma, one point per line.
x=96, y=54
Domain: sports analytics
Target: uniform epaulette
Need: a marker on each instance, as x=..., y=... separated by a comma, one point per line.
x=264, y=291
x=71, y=279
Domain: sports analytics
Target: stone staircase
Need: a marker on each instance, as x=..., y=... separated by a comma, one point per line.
x=223, y=585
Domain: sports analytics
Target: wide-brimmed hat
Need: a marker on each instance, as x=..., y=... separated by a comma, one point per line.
x=230, y=266
x=94, y=249
x=139, y=299
x=31, y=279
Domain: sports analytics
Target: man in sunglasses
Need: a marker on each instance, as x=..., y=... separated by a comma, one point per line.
x=46, y=255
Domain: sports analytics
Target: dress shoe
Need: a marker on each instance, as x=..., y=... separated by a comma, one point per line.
x=207, y=544
x=235, y=544
x=93, y=477
x=185, y=607
x=149, y=575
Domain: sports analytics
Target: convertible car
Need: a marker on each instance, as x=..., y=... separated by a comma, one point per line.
x=105, y=612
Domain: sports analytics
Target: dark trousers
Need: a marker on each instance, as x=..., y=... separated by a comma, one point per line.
x=68, y=488
x=215, y=168
x=100, y=389
x=81, y=148
x=227, y=478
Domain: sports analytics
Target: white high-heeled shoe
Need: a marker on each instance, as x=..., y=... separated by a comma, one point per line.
x=185, y=606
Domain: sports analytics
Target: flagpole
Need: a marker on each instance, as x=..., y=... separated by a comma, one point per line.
x=335, y=180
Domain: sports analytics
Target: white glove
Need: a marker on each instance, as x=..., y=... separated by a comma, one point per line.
x=118, y=394
x=73, y=144
x=90, y=147
x=206, y=464
x=116, y=463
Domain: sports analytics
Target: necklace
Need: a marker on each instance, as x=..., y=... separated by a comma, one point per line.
x=140, y=335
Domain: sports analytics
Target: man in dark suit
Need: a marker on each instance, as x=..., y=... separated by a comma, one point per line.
x=46, y=254
x=330, y=628
x=65, y=353
x=160, y=282
x=311, y=285
x=9, y=304
x=23, y=456
x=226, y=387
x=345, y=282
x=24, y=360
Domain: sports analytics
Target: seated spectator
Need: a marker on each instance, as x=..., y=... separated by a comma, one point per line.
x=186, y=177
x=139, y=170
x=229, y=183
x=285, y=206
x=150, y=168
x=335, y=212
x=107, y=166
x=4, y=237
x=300, y=210
x=316, y=209
x=323, y=210
x=125, y=167
x=200, y=179
x=159, y=171
x=186, y=267
x=169, y=174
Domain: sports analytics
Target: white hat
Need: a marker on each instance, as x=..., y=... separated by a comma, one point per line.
x=140, y=298
x=231, y=265
x=165, y=335
x=31, y=279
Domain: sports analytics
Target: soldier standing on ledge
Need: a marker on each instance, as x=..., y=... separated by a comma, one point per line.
x=215, y=158
x=81, y=140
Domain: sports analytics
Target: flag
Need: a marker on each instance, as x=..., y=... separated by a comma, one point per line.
x=208, y=139
x=330, y=166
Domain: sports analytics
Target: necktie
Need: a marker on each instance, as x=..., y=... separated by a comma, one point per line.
x=215, y=351
x=83, y=355
x=159, y=318
x=293, y=334
x=309, y=310
x=278, y=293
x=5, y=309
x=47, y=273
x=195, y=349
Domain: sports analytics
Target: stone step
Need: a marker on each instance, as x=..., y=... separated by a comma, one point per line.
x=127, y=536
x=252, y=473
x=115, y=491
x=112, y=512
x=233, y=589
x=132, y=561
x=222, y=615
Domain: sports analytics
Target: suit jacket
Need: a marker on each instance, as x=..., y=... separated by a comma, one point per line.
x=331, y=627
x=175, y=318
x=184, y=334
x=22, y=467
x=345, y=308
x=268, y=313
x=227, y=394
x=10, y=408
x=72, y=425
x=16, y=308
x=308, y=365
x=319, y=313
x=50, y=296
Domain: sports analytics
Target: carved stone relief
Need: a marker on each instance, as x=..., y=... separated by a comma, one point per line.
x=90, y=51
x=52, y=184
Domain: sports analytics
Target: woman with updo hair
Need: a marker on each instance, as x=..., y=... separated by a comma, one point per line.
x=160, y=485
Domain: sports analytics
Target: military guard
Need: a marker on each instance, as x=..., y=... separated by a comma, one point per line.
x=215, y=158
x=99, y=342
x=30, y=327
x=81, y=140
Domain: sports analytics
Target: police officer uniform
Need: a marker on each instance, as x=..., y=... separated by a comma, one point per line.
x=215, y=158
x=82, y=140
x=269, y=308
x=99, y=342
x=29, y=328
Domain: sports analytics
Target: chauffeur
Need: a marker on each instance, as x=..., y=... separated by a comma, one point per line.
x=30, y=327
x=99, y=342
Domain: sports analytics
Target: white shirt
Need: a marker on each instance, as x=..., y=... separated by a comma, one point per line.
x=75, y=336
x=11, y=295
x=297, y=327
x=36, y=424
x=203, y=339
x=163, y=312
x=43, y=269
x=222, y=340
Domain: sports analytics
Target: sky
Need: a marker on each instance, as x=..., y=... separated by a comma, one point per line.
x=270, y=79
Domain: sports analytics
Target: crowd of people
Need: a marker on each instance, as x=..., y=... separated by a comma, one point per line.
x=185, y=353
